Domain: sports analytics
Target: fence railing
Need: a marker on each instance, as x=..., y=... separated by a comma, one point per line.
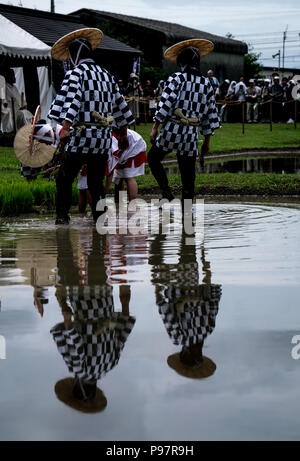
x=145, y=107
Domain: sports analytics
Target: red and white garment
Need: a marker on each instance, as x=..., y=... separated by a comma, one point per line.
x=48, y=134
x=130, y=162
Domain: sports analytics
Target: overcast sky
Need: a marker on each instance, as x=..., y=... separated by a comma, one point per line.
x=257, y=22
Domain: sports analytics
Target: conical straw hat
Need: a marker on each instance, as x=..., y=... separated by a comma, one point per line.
x=33, y=154
x=204, y=47
x=63, y=391
x=60, y=49
x=29, y=151
x=205, y=369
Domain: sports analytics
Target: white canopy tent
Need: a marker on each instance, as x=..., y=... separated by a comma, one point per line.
x=16, y=42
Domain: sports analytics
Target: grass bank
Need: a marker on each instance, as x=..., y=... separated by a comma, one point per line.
x=18, y=196
x=232, y=184
x=257, y=136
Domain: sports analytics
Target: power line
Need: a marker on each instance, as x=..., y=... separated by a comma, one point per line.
x=287, y=57
x=273, y=41
x=267, y=33
x=271, y=47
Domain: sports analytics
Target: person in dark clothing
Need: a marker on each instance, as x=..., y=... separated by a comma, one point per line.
x=276, y=93
x=90, y=97
x=148, y=90
x=187, y=105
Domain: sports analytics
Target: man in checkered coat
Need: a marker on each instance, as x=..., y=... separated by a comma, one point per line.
x=187, y=105
x=85, y=89
x=187, y=307
x=93, y=335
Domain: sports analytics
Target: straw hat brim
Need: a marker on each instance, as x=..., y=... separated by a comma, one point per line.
x=203, y=46
x=60, y=49
x=63, y=391
x=34, y=154
x=205, y=369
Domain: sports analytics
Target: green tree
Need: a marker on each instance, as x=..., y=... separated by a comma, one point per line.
x=155, y=74
x=252, y=66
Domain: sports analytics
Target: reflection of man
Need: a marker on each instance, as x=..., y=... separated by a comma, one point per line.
x=188, y=308
x=92, y=335
x=189, y=316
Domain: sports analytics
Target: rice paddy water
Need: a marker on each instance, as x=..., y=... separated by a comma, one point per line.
x=242, y=280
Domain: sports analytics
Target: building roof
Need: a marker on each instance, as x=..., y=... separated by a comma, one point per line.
x=173, y=32
x=49, y=27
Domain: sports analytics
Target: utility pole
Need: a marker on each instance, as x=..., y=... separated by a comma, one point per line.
x=274, y=56
x=283, y=46
x=52, y=8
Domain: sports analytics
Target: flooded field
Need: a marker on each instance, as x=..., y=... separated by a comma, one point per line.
x=120, y=309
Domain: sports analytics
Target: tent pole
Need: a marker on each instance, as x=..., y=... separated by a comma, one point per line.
x=13, y=114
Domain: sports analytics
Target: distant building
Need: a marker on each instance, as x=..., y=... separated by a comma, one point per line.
x=153, y=37
x=48, y=27
x=268, y=72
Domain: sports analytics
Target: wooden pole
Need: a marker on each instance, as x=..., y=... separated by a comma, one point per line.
x=271, y=115
x=13, y=114
x=243, y=118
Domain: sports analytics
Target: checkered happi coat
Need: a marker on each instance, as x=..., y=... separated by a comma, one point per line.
x=93, y=346
x=194, y=96
x=86, y=88
x=189, y=315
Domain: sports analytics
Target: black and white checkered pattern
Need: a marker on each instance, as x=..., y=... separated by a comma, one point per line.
x=194, y=96
x=185, y=274
x=86, y=88
x=93, y=346
x=189, y=315
x=29, y=172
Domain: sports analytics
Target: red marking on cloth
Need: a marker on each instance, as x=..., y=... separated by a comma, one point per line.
x=138, y=160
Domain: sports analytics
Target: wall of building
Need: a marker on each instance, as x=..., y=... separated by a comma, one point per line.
x=224, y=65
x=268, y=72
x=153, y=44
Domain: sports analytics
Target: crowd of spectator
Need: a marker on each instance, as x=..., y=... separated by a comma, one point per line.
x=257, y=96
x=142, y=99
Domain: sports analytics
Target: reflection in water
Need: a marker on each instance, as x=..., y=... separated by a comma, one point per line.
x=92, y=335
x=252, y=250
x=188, y=308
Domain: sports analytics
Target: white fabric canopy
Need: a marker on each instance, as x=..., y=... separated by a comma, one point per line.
x=15, y=41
